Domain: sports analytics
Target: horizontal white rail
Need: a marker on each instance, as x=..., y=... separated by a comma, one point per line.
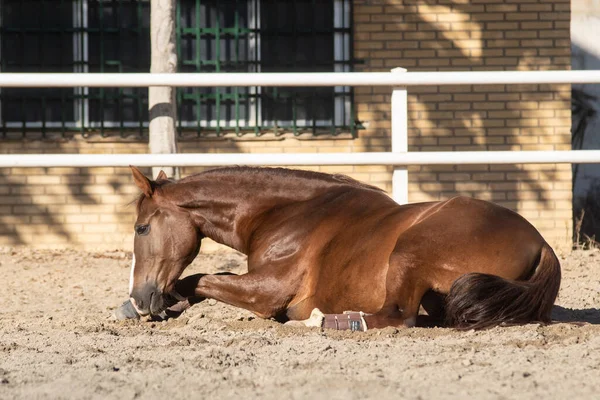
x=299, y=159
x=296, y=79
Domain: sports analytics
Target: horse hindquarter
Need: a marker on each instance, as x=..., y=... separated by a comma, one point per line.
x=493, y=265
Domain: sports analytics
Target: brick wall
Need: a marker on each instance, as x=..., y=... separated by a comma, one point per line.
x=444, y=35
x=87, y=207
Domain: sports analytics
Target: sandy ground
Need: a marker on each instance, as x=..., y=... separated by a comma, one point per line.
x=57, y=341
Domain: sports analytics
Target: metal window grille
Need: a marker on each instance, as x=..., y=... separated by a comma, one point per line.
x=212, y=36
x=36, y=37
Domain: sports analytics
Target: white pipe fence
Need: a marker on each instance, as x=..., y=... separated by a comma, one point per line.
x=399, y=157
x=403, y=159
x=400, y=138
x=8, y=79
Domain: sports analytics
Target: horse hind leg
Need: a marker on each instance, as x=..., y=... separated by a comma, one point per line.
x=349, y=320
x=403, y=299
x=354, y=320
x=434, y=304
x=398, y=318
x=400, y=310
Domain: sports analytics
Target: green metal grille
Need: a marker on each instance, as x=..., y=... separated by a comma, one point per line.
x=118, y=34
x=212, y=36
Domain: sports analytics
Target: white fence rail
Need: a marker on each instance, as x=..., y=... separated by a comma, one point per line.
x=299, y=159
x=399, y=157
x=296, y=79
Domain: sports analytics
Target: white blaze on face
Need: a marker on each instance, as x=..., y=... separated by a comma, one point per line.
x=131, y=275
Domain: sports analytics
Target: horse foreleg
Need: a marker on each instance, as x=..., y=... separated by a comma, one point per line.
x=261, y=293
x=178, y=306
x=264, y=294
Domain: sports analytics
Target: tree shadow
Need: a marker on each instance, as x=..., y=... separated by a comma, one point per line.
x=423, y=36
x=23, y=219
x=436, y=35
x=61, y=207
x=81, y=207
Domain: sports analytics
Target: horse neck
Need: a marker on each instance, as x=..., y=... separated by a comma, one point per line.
x=225, y=206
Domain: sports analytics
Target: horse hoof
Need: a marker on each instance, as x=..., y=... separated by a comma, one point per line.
x=166, y=314
x=173, y=311
x=126, y=311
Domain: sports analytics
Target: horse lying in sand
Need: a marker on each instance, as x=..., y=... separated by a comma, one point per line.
x=326, y=250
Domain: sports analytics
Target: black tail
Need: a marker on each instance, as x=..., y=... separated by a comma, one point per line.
x=479, y=301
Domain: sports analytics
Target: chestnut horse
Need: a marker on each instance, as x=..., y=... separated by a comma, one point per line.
x=321, y=245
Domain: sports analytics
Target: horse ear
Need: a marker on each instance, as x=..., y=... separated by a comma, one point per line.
x=142, y=182
x=162, y=176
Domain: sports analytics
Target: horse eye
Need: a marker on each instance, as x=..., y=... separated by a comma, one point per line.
x=142, y=230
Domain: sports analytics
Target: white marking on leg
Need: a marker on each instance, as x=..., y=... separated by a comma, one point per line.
x=314, y=321
x=316, y=318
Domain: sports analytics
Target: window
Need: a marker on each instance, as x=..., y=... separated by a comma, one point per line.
x=74, y=36
x=36, y=38
x=116, y=38
x=265, y=36
x=212, y=36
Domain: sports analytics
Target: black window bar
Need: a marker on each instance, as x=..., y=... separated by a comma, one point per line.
x=212, y=36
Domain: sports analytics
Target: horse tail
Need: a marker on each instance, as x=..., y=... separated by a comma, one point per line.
x=479, y=301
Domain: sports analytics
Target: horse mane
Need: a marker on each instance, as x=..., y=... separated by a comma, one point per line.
x=282, y=173
x=334, y=179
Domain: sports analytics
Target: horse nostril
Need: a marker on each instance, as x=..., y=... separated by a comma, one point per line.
x=157, y=303
x=145, y=297
x=146, y=303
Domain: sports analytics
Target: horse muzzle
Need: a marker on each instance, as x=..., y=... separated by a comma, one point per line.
x=148, y=300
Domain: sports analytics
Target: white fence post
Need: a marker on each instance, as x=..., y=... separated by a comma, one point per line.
x=400, y=140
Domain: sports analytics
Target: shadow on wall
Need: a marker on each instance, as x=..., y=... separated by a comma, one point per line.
x=437, y=35
x=54, y=207
x=420, y=36
x=22, y=217
x=80, y=207
x=586, y=129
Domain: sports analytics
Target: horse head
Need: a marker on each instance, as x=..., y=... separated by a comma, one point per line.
x=166, y=241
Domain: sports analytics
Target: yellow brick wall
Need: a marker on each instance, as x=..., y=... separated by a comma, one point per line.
x=87, y=207
x=476, y=35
